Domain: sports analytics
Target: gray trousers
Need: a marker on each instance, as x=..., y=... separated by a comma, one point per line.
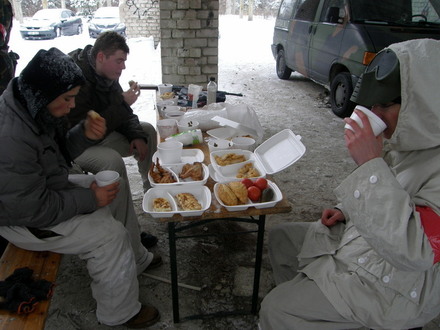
x=296, y=303
x=109, y=241
x=107, y=155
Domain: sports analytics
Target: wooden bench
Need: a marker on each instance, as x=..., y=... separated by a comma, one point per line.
x=45, y=266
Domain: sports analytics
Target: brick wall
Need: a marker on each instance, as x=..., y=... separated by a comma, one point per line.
x=187, y=31
x=189, y=41
x=142, y=18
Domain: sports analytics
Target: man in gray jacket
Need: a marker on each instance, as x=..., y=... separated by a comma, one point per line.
x=373, y=260
x=42, y=208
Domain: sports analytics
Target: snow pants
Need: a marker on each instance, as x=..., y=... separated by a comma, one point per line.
x=296, y=303
x=107, y=155
x=109, y=241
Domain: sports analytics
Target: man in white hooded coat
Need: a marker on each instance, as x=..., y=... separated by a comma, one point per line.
x=373, y=260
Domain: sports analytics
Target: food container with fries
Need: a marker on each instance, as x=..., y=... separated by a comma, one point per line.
x=272, y=156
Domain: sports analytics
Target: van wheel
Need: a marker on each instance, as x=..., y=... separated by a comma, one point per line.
x=283, y=72
x=341, y=89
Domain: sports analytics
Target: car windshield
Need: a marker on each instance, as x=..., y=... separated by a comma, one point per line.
x=397, y=12
x=47, y=14
x=107, y=13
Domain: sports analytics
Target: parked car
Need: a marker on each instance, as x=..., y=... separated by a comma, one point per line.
x=332, y=41
x=106, y=19
x=51, y=23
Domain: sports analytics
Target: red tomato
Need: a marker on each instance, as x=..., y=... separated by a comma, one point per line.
x=254, y=193
x=247, y=182
x=261, y=183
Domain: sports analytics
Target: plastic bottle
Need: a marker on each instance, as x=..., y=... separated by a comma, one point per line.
x=212, y=91
x=188, y=138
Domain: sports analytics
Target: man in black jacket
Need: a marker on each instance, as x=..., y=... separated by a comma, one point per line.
x=42, y=208
x=8, y=59
x=102, y=65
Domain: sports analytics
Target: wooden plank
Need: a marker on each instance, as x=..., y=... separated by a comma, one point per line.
x=45, y=266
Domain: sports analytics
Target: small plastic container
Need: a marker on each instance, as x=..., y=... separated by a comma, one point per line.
x=177, y=114
x=219, y=144
x=165, y=88
x=171, y=108
x=243, y=142
x=187, y=124
x=166, y=127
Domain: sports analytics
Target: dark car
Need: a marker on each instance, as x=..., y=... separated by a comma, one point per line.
x=106, y=19
x=51, y=23
x=332, y=41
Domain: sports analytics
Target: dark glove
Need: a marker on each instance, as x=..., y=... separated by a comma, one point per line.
x=20, y=293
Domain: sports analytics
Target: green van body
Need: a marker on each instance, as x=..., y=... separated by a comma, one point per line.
x=329, y=40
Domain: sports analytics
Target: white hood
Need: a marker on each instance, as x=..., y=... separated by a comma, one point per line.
x=418, y=125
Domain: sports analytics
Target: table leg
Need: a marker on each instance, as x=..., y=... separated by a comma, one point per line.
x=258, y=258
x=173, y=264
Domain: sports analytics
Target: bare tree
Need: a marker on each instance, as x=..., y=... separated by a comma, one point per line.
x=18, y=14
x=251, y=10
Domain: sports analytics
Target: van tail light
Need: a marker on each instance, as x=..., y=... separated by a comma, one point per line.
x=368, y=57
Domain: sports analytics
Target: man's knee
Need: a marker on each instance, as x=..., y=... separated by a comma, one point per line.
x=150, y=131
x=267, y=312
x=102, y=158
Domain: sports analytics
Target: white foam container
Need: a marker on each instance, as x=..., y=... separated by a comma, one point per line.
x=278, y=196
x=230, y=172
x=201, y=193
x=280, y=151
x=228, y=133
x=189, y=155
x=248, y=155
x=175, y=171
x=272, y=156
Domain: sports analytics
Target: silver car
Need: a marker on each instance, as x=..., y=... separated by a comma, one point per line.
x=51, y=23
x=106, y=19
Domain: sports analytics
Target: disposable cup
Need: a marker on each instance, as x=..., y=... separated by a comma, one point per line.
x=165, y=88
x=166, y=127
x=376, y=123
x=170, y=152
x=104, y=178
x=243, y=142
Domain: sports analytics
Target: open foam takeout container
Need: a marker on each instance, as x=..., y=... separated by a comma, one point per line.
x=201, y=193
x=277, y=196
x=175, y=171
x=272, y=156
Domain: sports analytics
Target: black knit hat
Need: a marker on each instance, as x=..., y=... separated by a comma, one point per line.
x=48, y=75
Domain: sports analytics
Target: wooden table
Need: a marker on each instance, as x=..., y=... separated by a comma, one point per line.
x=178, y=224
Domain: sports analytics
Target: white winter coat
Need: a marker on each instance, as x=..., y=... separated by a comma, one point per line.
x=379, y=268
